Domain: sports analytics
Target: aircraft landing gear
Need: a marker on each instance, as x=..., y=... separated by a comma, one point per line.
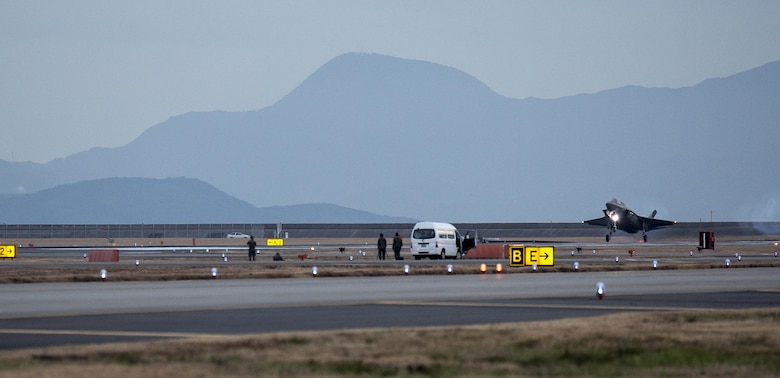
x=611, y=228
x=644, y=237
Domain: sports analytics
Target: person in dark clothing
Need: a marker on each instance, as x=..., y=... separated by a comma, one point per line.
x=252, y=248
x=381, y=246
x=398, y=243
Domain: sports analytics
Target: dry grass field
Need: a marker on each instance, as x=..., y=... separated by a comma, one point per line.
x=677, y=344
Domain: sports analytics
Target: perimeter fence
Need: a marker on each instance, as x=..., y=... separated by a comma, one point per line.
x=217, y=230
x=108, y=231
x=527, y=231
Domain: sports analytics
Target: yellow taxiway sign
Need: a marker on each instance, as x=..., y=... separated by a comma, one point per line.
x=520, y=255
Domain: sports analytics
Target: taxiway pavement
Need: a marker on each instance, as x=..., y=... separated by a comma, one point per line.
x=77, y=313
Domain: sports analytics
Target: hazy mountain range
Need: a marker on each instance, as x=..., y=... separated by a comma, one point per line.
x=172, y=200
x=423, y=141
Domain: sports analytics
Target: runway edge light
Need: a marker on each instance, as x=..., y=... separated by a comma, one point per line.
x=600, y=290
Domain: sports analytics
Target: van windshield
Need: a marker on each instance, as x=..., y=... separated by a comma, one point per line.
x=423, y=233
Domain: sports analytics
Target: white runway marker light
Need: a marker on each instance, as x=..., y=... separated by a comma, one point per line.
x=103, y=274
x=600, y=290
x=137, y=262
x=617, y=259
x=449, y=268
x=576, y=266
x=655, y=264
x=314, y=271
x=533, y=267
x=728, y=263
x=213, y=272
x=406, y=269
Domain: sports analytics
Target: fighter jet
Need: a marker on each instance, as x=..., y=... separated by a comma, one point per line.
x=618, y=217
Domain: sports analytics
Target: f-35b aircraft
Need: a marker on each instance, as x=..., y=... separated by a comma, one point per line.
x=618, y=217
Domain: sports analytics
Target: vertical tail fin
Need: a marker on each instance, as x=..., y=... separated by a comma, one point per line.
x=652, y=215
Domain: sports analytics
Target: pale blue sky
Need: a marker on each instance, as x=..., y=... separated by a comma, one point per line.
x=81, y=74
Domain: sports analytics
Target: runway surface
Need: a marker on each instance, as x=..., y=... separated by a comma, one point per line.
x=77, y=313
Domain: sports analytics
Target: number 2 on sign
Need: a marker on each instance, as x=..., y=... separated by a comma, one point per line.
x=7, y=251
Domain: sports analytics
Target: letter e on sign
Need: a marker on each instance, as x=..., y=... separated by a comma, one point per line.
x=542, y=256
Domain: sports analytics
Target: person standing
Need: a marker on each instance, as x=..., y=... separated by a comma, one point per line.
x=252, y=248
x=398, y=243
x=381, y=247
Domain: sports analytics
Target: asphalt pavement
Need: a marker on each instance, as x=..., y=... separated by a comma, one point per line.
x=35, y=315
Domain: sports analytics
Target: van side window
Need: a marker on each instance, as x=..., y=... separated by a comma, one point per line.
x=423, y=233
x=446, y=234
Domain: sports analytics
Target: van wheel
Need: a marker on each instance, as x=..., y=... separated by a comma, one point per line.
x=443, y=255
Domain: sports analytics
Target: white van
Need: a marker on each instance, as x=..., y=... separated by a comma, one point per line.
x=436, y=241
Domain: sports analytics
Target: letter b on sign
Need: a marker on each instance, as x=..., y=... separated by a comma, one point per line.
x=516, y=255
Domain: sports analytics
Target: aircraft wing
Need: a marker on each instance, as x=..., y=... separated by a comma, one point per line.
x=603, y=221
x=652, y=223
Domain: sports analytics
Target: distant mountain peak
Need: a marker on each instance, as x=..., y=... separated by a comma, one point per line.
x=367, y=76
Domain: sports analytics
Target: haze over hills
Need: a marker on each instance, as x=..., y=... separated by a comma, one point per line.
x=420, y=140
x=171, y=200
